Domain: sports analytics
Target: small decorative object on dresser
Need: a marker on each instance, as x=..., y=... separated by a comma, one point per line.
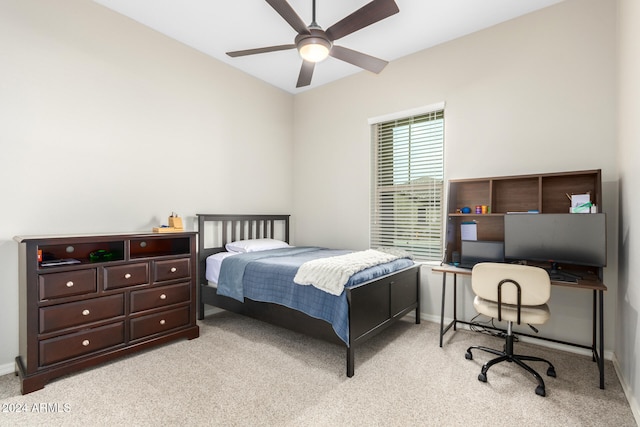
x=73, y=316
x=175, y=225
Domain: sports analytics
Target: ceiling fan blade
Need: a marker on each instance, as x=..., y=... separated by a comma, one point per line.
x=359, y=59
x=306, y=72
x=261, y=50
x=369, y=14
x=286, y=11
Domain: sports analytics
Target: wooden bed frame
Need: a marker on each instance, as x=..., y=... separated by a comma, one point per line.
x=373, y=305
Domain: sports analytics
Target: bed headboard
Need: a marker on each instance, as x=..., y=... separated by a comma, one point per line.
x=215, y=231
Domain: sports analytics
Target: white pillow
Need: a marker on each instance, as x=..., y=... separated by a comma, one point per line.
x=255, y=245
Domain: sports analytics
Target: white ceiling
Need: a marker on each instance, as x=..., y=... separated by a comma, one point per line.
x=218, y=26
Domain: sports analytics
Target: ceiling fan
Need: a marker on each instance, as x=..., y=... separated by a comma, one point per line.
x=314, y=44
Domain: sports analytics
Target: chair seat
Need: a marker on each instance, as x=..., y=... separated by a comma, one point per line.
x=534, y=315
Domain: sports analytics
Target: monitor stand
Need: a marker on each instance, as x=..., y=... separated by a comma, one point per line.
x=562, y=276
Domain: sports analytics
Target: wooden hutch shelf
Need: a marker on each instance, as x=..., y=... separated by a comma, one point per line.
x=543, y=193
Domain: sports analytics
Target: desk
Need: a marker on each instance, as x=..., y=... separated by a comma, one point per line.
x=598, y=288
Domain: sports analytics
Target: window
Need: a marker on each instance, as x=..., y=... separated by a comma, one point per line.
x=407, y=185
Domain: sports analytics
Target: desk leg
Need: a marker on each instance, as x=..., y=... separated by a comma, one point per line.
x=601, y=355
x=443, y=329
x=455, y=301
x=597, y=349
x=594, y=316
x=444, y=287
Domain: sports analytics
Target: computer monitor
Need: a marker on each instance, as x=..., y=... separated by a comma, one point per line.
x=577, y=239
x=475, y=251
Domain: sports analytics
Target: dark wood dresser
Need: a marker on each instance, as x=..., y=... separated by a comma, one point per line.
x=86, y=299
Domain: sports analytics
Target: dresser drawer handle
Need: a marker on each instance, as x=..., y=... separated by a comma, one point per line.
x=163, y=296
x=69, y=284
x=173, y=269
x=127, y=276
x=162, y=322
x=85, y=312
x=85, y=343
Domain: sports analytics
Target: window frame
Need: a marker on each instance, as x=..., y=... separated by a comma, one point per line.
x=408, y=224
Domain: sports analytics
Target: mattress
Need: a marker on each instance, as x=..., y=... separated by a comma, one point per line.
x=213, y=265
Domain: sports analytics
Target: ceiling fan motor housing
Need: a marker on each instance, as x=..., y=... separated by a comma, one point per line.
x=314, y=46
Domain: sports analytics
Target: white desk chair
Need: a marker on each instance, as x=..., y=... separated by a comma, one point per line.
x=515, y=293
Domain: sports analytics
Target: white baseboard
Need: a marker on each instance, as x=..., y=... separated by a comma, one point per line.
x=633, y=403
x=211, y=310
x=9, y=368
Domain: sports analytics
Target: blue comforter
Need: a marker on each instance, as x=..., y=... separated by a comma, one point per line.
x=267, y=276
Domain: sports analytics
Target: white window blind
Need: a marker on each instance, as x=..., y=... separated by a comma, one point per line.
x=408, y=182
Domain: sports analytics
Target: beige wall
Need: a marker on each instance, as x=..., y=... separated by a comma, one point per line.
x=535, y=94
x=627, y=346
x=106, y=125
x=131, y=124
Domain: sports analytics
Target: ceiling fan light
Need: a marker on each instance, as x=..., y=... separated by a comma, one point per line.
x=314, y=49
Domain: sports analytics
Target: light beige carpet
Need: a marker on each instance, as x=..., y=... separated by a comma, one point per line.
x=242, y=372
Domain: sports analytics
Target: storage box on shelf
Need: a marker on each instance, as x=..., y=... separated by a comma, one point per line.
x=542, y=193
x=122, y=293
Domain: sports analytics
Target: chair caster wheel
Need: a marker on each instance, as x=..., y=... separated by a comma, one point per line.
x=483, y=377
x=468, y=355
x=551, y=372
x=540, y=391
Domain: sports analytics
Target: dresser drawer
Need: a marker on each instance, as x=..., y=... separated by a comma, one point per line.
x=158, y=297
x=81, y=312
x=171, y=269
x=65, y=347
x=65, y=284
x=120, y=276
x=159, y=322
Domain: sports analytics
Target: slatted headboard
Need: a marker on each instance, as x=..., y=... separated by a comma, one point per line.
x=215, y=230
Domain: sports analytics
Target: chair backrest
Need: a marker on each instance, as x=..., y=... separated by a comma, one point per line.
x=534, y=282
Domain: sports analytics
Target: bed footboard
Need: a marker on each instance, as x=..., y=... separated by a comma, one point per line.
x=377, y=304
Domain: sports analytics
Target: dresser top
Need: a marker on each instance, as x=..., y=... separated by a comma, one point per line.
x=83, y=236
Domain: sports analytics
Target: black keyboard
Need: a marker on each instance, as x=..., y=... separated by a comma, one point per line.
x=563, y=277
